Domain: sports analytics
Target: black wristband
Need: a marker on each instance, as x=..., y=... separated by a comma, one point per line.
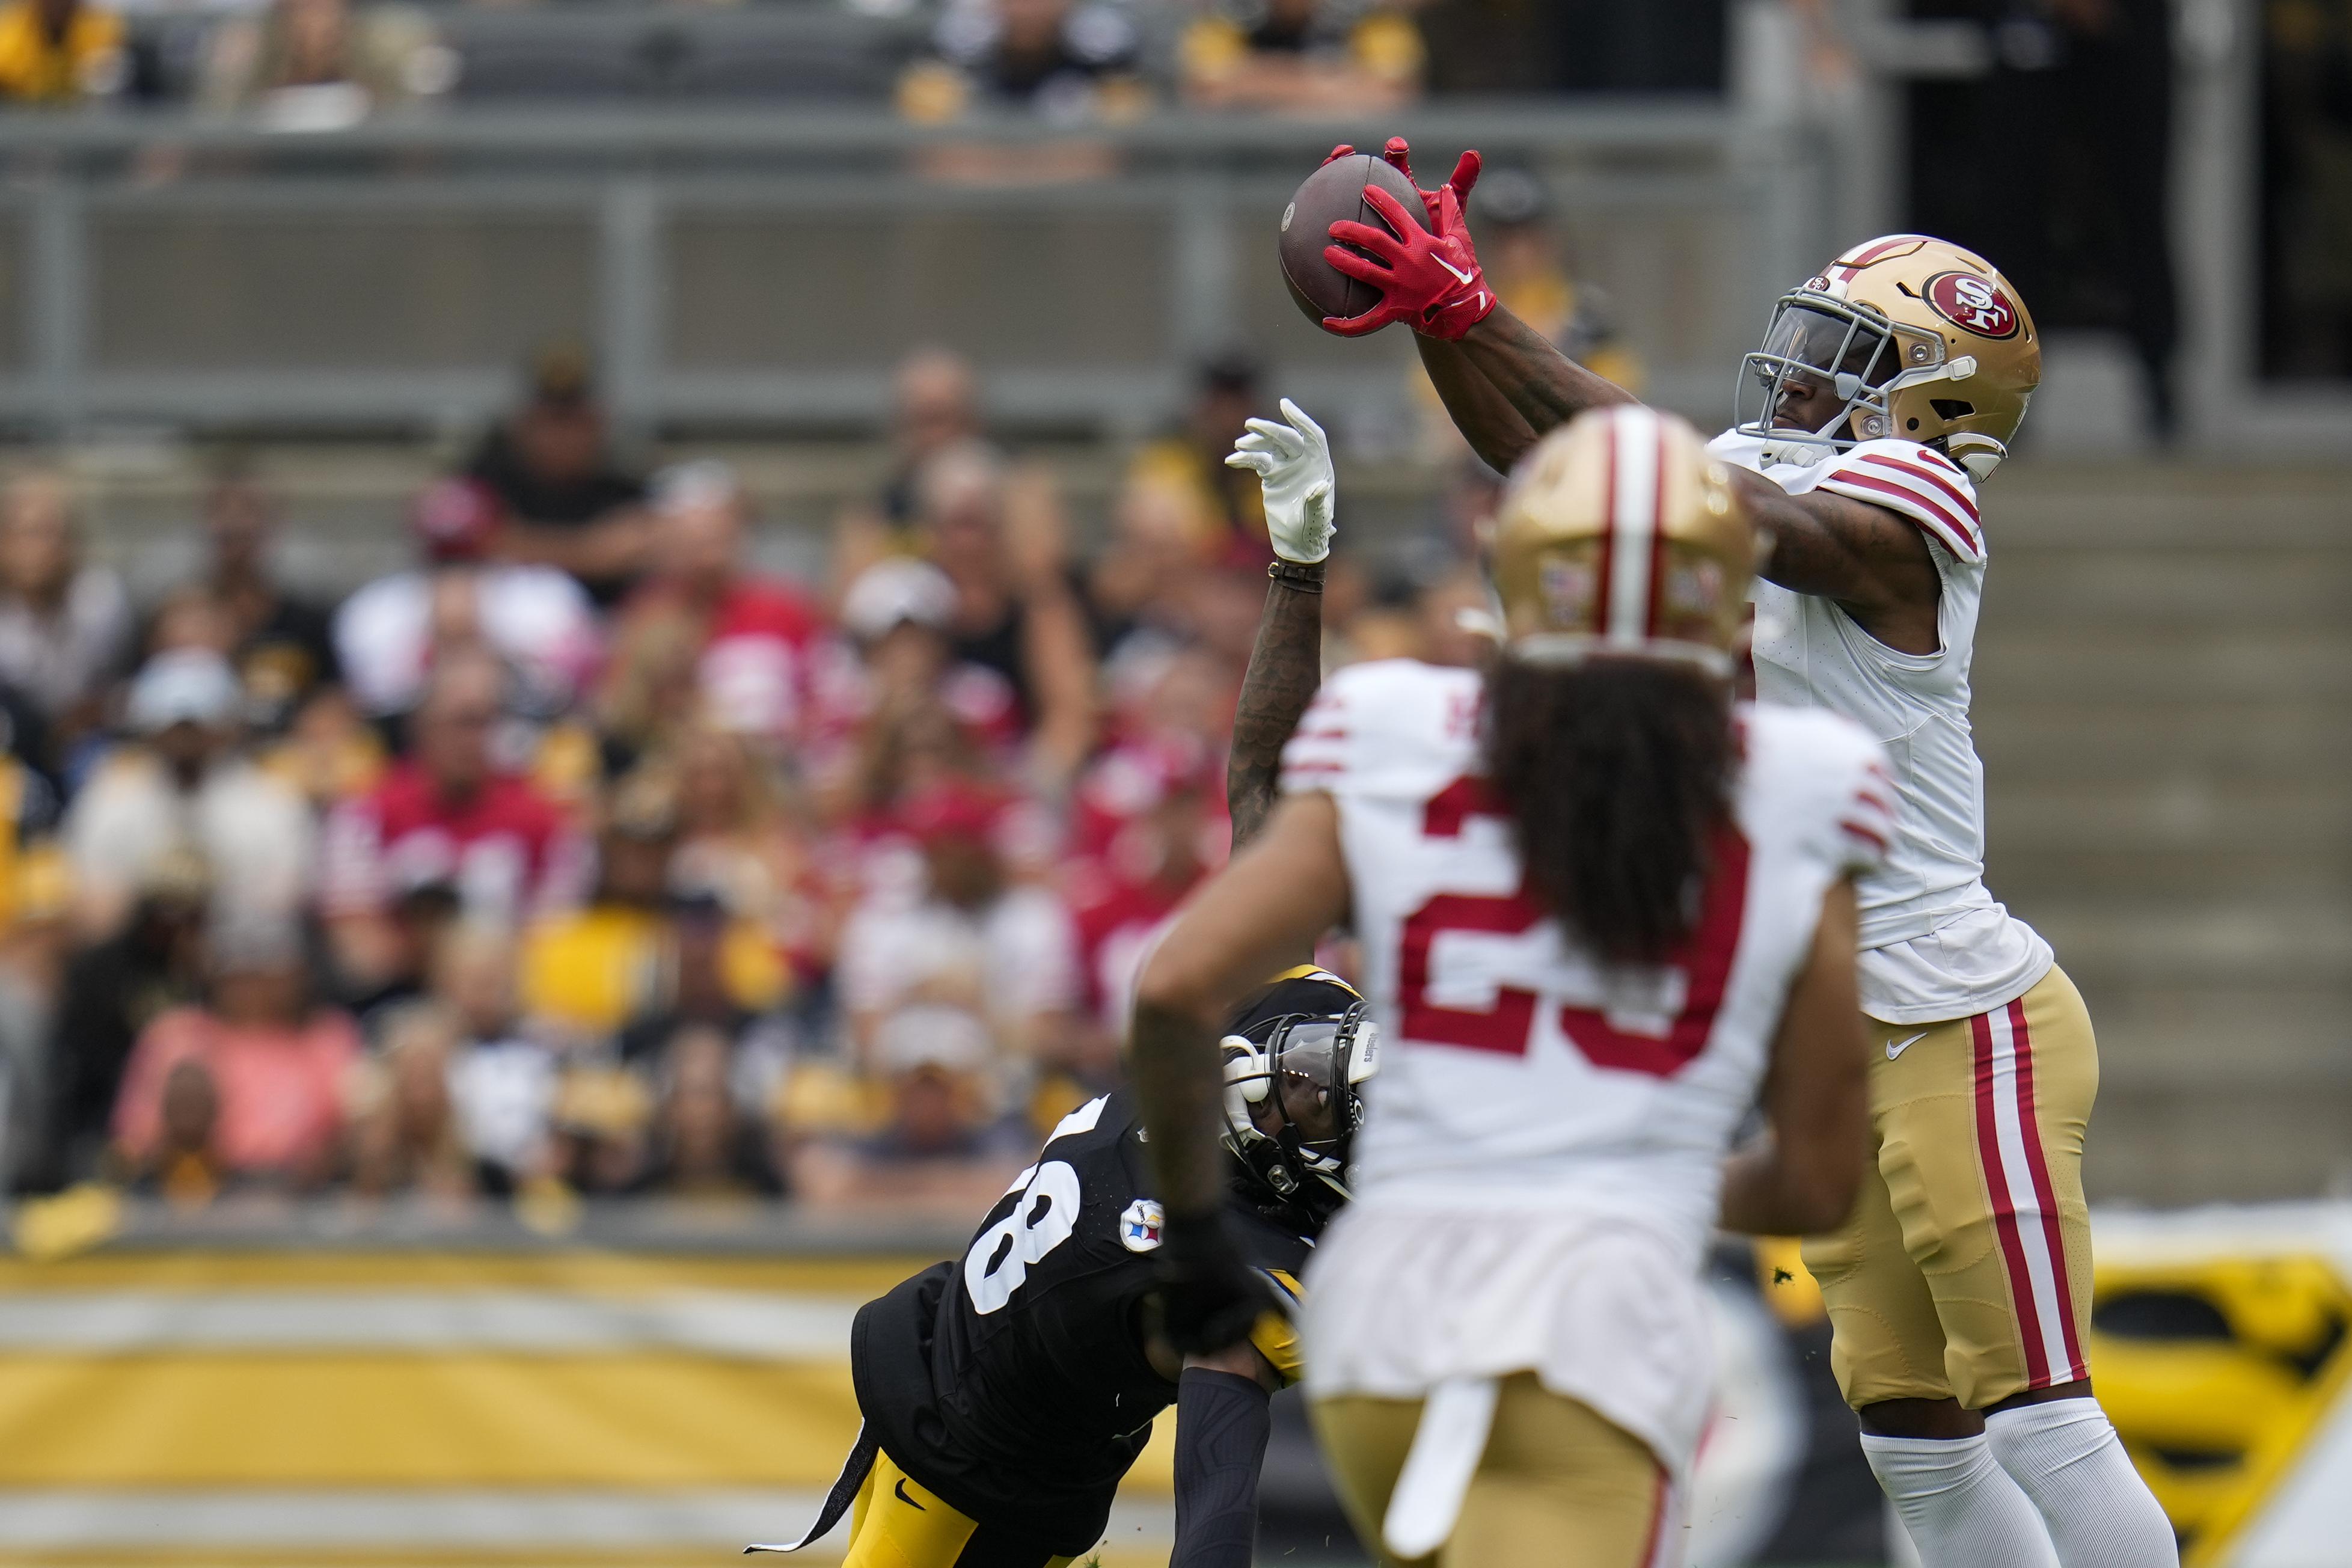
x=1307, y=576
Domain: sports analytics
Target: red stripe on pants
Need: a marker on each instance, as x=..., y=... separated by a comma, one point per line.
x=2005, y=1212
x=2038, y=1165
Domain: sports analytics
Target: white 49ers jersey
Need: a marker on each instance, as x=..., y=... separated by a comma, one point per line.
x=1518, y=1068
x=1934, y=945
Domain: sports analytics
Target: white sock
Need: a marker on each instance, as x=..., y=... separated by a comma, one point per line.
x=1960, y=1507
x=2068, y=1459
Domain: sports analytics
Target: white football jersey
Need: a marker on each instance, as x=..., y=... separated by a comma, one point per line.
x=1516, y=1065
x=1934, y=945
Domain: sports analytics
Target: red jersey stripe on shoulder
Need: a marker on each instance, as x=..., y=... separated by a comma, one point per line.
x=1961, y=498
x=1918, y=508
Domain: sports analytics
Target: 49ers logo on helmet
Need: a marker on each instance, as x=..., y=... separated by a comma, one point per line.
x=1973, y=304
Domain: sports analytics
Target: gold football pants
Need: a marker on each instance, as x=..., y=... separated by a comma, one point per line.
x=1558, y=1484
x=1965, y=1272
x=897, y=1522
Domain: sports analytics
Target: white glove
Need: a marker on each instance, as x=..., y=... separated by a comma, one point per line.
x=1293, y=464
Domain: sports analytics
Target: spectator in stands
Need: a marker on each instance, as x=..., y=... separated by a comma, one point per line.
x=1303, y=56
x=59, y=51
x=281, y=644
x=501, y=1079
x=971, y=938
x=943, y=1144
x=1000, y=544
x=112, y=991
x=634, y=946
x=724, y=982
x=319, y=64
x=587, y=971
x=448, y=814
x=187, y=786
x=760, y=638
x=935, y=405
x=65, y=626
x=703, y=1145
x=911, y=695
x=1063, y=60
x=278, y=1065
x=567, y=500
x=404, y=1131
x=934, y=408
x=742, y=839
x=535, y=619
x=1215, y=502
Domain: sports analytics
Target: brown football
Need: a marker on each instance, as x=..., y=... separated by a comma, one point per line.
x=1332, y=194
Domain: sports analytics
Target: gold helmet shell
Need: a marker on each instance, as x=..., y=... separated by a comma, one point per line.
x=1619, y=536
x=1923, y=342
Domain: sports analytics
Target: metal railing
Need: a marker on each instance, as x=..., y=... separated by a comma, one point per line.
x=762, y=268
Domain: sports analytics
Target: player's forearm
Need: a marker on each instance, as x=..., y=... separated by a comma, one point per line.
x=1542, y=386
x=1222, y=1423
x=1284, y=667
x=1496, y=431
x=1179, y=1089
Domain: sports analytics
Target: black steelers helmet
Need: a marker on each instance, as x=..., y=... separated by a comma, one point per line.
x=1303, y=1046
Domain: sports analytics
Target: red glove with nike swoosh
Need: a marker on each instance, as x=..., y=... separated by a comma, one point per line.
x=1431, y=280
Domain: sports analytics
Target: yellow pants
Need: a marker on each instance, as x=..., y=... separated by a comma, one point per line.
x=1557, y=1485
x=896, y=1522
x=1965, y=1272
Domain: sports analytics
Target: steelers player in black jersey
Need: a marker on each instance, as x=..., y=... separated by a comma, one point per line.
x=1006, y=1392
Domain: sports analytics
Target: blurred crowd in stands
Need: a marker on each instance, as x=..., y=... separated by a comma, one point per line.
x=315, y=64
x=580, y=856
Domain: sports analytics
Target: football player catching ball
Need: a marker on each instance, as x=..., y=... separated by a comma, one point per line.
x=1887, y=389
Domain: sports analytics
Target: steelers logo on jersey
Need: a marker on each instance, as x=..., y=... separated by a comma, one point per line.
x=1139, y=1226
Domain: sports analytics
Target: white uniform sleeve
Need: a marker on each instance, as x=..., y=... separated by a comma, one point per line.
x=1913, y=481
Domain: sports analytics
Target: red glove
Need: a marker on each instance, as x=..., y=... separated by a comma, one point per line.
x=1398, y=155
x=1431, y=280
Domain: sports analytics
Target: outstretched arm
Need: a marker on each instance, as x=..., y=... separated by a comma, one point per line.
x=1292, y=459
x=1507, y=386
x=1284, y=667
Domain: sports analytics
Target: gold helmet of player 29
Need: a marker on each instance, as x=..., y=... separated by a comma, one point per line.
x=1917, y=339
x=1619, y=536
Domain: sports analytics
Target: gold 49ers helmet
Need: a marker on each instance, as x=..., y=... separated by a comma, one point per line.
x=1916, y=338
x=1619, y=536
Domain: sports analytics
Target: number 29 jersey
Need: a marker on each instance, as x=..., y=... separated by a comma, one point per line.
x=1523, y=1071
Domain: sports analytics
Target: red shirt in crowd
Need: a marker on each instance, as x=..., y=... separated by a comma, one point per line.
x=279, y=1088
x=763, y=645
x=506, y=849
